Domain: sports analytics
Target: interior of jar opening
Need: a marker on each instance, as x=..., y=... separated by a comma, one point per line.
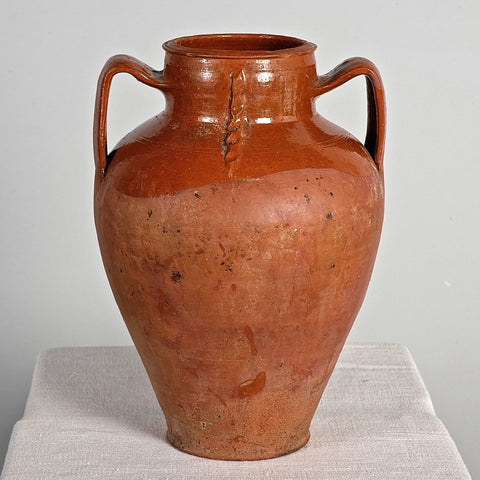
x=240, y=42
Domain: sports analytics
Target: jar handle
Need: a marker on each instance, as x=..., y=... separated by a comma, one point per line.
x=116, y=64
x=376, y=123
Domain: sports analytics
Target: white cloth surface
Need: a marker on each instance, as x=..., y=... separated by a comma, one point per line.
x=92, y=414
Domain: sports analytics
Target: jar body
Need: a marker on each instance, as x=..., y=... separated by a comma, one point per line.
x=239, y=267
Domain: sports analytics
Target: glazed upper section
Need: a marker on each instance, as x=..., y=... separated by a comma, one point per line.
x=257, y=78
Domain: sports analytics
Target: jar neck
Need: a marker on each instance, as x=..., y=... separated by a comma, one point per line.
x=229, y=91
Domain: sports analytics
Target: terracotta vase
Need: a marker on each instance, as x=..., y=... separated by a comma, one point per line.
x=238, y=229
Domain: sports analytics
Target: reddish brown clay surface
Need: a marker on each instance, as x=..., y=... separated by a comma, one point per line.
x=239, y=230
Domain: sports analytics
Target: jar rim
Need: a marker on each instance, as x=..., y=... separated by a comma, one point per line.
x=239, y=45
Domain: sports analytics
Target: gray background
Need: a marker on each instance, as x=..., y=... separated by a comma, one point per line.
x=425, y=289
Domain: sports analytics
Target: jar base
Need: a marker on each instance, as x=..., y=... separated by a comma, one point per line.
x=237, y=450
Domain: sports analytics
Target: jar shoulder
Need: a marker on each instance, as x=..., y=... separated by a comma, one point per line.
x=166, y=157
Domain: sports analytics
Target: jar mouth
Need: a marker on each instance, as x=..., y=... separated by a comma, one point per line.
x=239, y=45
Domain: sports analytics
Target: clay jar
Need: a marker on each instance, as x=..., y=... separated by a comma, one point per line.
x=238, y=229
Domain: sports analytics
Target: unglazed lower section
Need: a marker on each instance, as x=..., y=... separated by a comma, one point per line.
x=225, y=436
x=239, y=297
